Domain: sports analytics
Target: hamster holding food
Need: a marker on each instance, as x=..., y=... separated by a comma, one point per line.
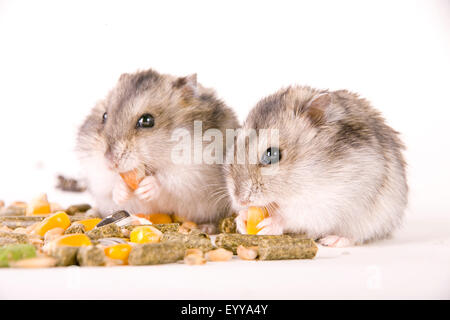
x=133, y=129
x=337, y=172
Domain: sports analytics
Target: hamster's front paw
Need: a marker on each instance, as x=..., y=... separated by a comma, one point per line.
x=270, y=226
x=148, y=189
x=208, y=228
x=336, y=241
x=121, y=192
x=241, y=222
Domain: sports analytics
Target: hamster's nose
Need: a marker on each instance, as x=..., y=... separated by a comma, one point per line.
x=110, y=157
x=244, y=203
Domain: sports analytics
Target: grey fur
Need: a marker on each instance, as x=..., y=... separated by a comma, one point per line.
x=196, y=192
x=342, y=171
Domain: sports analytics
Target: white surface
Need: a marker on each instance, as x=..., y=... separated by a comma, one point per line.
x=58, y=58
x=413, y=265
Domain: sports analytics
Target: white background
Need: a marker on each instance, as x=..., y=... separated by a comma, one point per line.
x=57, y=58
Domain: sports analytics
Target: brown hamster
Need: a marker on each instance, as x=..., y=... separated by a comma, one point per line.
x=340, y=170
x=133, y=127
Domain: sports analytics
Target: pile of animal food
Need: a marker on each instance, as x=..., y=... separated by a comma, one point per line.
x=41, y=234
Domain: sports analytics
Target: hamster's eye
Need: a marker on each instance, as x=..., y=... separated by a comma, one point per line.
x=271, y=156
x=145, y=121
x=105, y=117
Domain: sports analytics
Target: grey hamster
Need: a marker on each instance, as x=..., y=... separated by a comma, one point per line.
x=339, y=173
x=133, y=127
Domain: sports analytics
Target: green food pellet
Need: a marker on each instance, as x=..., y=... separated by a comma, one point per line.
x=16, y=252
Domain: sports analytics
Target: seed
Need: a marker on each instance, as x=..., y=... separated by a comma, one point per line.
x=37, y=262
x=37, y=242
x=219, y=255
x=113, y=262
x=193, y=251
x=20, y=230
x=31, y=228
x=249, y=253
x=52, y=234
x=184, y=230
x=189, y=225
x=194, y=259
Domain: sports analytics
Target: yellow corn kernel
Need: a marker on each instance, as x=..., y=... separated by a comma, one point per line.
x=90, y=224
x=254, y=216
x=118, y=251
x=156, y=218
x=56, y=220
x=132, y=178
x=73, y=240
x=145, y=234
x=39, y=206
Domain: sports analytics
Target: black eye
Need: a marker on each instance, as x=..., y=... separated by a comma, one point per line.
x=271, y=156
x=146, y=121
x=105, y=117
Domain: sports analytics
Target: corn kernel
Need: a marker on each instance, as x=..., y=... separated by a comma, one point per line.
x=73, y=240
x=189, y=225
x=56, y=220
x=156, y=218
x=132, y=178
x=118, y=251
x=38, y=206
x=254, y=216
x=145, y=234
x=90, y=224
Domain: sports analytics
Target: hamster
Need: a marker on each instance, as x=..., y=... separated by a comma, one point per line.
x=133, y=127
x=340, y=173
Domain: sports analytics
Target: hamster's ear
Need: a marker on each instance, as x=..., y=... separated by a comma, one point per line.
x=188, y=87
x=188, y=84
x=318, y=109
